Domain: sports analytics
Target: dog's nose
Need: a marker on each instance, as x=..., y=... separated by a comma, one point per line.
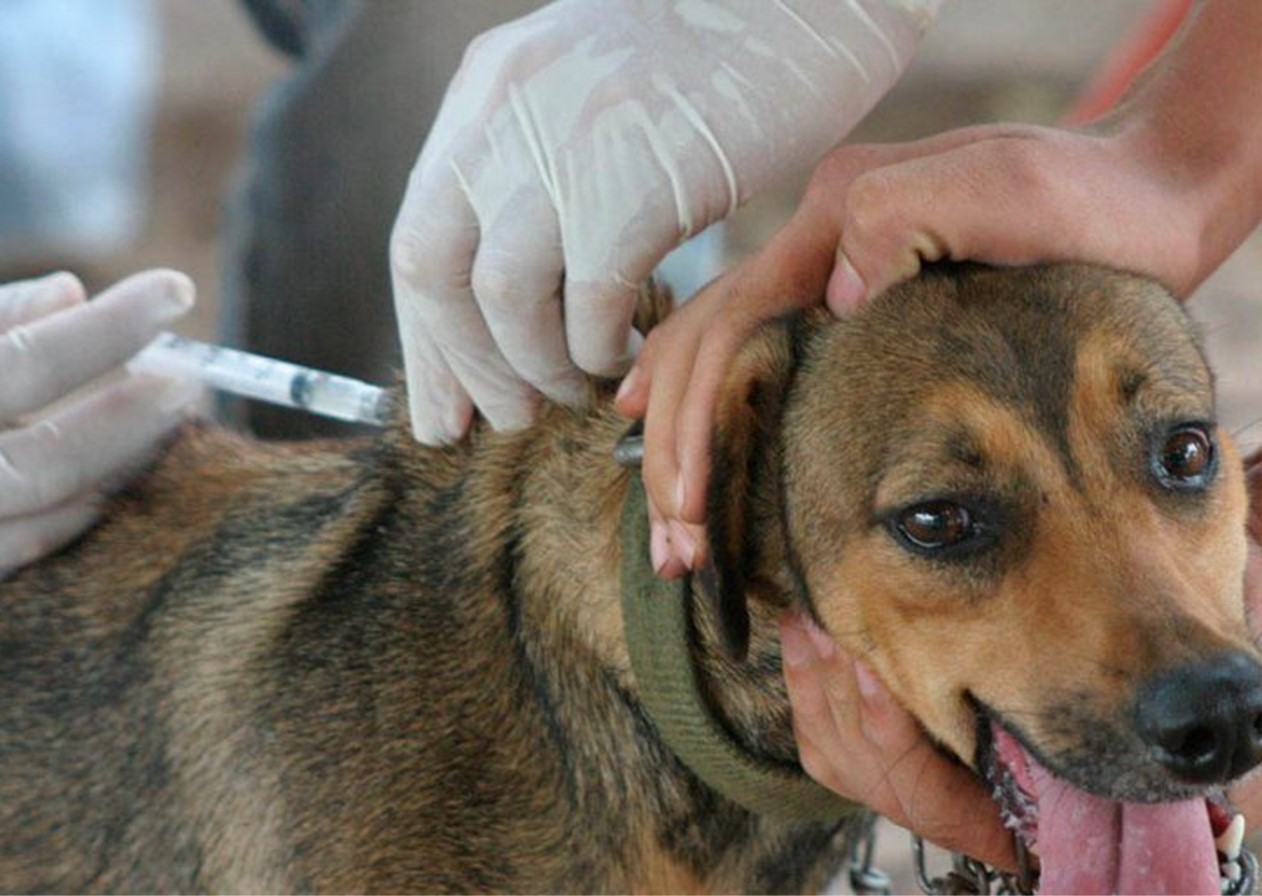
x=1203, y=721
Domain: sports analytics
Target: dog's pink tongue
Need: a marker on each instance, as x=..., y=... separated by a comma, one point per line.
x=1088, y=844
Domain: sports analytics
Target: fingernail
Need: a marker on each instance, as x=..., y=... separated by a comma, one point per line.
x=52, y=293
x=846, y=289
x=824, y=645
x=431, y=428
x=175, y=292
x=629, y=384
x=60, y=281
x=683, y=545
x=870, y=687
x=569, y=389
x=183, y=293
x=795, y=646
x=659, y=546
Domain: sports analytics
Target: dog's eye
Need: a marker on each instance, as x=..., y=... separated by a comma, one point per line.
x=1186, y=458
x=935, y=525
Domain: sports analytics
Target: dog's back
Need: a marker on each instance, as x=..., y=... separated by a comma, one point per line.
x=130, y=671
x=283, y=668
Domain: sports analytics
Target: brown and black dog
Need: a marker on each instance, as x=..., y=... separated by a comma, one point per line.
x=374, y=666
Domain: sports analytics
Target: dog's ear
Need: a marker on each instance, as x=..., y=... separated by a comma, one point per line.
x=745, y=445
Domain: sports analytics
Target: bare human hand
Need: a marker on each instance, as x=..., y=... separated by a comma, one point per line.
x=854, y=738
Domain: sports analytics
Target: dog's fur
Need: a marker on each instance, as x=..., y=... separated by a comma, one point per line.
x=373, y=666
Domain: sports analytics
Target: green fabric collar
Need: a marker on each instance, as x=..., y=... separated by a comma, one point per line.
x=656, y=618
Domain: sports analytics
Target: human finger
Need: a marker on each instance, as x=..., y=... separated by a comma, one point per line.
x=28, y=300
x=80, y=447
x=857, y=740
x=602, y=289
x=49, y=357
x=676, y=380
x=450, y=359
x=668, y=363
x=936, y=796
x=517, y=282
x=788, y=274
x=1010, y=197
x=26, y=538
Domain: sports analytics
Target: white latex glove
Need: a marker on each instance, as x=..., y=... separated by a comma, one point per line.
x=577, y=146
x=55, y=463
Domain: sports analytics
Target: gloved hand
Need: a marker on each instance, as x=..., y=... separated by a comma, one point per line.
x=55, y=463
x=576, y=147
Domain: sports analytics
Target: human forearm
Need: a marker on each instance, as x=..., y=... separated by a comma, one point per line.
x=1196, y=120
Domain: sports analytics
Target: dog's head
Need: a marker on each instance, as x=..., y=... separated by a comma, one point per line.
x=1007, y=492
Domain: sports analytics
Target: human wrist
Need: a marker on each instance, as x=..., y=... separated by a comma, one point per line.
x=1194, y=127
x=1209, y=179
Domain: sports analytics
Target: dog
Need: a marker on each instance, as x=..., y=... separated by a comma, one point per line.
x=373, y=666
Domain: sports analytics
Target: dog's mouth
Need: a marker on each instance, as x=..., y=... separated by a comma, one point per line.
x=1088, y=843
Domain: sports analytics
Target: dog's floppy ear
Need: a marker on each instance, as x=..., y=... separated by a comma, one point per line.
x=746, y=440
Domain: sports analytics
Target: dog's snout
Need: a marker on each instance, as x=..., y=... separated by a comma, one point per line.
x=1203, y=721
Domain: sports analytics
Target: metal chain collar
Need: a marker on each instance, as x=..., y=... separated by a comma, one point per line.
x=969, y=876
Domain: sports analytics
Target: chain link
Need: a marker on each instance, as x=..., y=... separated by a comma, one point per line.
x=865, y=878
x=969, y=876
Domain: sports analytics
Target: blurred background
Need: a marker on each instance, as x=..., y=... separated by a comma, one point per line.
x=127, y=122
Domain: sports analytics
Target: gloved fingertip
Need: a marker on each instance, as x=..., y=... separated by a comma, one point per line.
x=427, y=433
x=62, y=288
x=570, y=391
x=172, y=396
x=635, y=342
x=511, y=416
x=34, y=299
x=180, y=397
x=438, y=424
x=608, y=355
x=182, y=290
x=175, y=288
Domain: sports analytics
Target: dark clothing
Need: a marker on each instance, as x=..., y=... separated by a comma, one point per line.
x=307, y=274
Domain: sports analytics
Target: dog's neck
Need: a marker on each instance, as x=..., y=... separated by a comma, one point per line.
x=567, y=571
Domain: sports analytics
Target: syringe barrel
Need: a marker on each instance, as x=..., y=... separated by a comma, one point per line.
x=264, y=379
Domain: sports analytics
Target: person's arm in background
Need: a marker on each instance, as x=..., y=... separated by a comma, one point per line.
x=56, y=464
x=1169, y=186
x=576, y=147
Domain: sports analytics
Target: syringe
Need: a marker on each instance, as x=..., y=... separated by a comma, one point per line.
x=265, y=379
